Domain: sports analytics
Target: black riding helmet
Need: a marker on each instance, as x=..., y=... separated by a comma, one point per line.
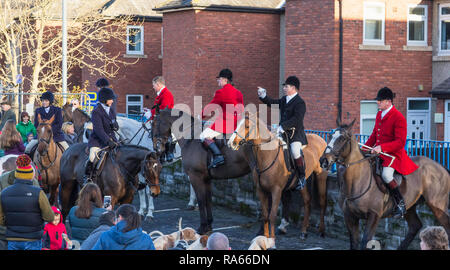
x=384, y=94
x=48, y=96
x=106, y=94
x=226, y=73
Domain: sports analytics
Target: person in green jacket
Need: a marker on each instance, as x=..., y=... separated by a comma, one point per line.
x=25, y=126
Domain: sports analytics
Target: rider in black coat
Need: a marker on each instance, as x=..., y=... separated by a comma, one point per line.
x=292, y=110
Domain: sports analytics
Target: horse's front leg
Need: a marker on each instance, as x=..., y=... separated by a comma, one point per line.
x=200, y=193
x=263, y=198
x=208, y=195
x=352, y=224
x=321, y=180
x=142, y=201
x=276, y=197
x=307, y=205
x=369, y=231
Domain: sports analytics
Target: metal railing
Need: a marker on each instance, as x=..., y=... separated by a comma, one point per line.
x=438, y=151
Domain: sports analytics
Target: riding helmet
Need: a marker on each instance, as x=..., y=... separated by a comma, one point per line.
x=226, y=73
x=385, y=93
x=48, y=96
x=105, y=94
x=292, y=80
x=102, y=82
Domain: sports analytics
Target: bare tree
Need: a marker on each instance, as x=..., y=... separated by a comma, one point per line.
x=31, y=41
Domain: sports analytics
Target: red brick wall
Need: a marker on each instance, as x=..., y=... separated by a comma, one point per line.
x=247, y=43
x=136, y=78
x=312, y=51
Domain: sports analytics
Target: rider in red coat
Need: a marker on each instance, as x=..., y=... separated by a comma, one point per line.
x=389, y=136
x=164, y=100
x=231, y=102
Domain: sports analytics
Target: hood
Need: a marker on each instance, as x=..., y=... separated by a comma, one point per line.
x=123, y=238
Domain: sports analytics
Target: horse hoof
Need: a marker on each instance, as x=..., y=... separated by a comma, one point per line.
x=280, y=231
x=190, y=208
x=303, y=236
x=149, y=218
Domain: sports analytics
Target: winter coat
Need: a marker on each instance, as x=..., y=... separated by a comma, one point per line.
x=17, y=149
x=116, y=239
x=25, y=129
x=226, y=122
x=82, y=227
x=52, y=238
x=164, y=100
x=9, y=114
x=89, y=243
x=102, y=131
x=54, y=113
x=390, y=134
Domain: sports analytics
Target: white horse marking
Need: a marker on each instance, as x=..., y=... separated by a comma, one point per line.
x=336, y=135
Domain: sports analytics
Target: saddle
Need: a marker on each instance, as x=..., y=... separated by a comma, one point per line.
x=377, y=169
x=99, y=162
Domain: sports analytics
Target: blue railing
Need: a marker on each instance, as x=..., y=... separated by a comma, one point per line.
x=136, y=117
x=438, y=151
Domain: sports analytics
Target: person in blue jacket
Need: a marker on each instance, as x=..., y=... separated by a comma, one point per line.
x=51, y=114
x=104, y=125
x=127, y=234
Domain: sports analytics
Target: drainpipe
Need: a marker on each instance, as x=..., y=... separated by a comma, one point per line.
x=341, y=37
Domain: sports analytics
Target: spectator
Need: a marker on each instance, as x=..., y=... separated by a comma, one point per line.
x=7, y=113
x=75, y=104
x=69, y=133
x=84, y=217
x=25, y=127
x=106, y=220
x=30, y=137
x=127, y=234
x=433, y=238
x=218, y=241
x=10, y=139
x=23, y=209
x=55, y=234
x=7, y=179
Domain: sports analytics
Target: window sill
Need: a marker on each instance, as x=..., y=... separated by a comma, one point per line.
x=417, y=48
x=441, y=58
x=135, y=56
x=365, y=47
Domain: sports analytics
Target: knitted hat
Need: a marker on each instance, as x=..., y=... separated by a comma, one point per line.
x=23, y=168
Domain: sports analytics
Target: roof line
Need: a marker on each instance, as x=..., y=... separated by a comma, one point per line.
x=219, y=8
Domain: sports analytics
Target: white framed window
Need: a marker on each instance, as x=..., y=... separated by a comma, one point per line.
x=368, y=113
x=374, y=20
x=135, y=40
x=417, y=25
x=444, y=28
x=135, y=104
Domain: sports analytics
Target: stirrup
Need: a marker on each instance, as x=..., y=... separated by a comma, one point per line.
x=301, y=183
x=399, y=211
x=215, y=163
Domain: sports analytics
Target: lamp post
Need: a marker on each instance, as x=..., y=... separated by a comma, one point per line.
x=64, y=50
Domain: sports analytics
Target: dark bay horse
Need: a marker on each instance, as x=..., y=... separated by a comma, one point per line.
x=270, y=173
x=47, y=158
x=194, y=158
x=118, y=178
x=360, y=198
x=77, y=117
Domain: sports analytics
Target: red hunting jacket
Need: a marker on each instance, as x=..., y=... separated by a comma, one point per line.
x=164, y=100
x=226, y=122
x=390, y=134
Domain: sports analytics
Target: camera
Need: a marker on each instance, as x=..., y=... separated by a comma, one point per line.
x=106, y=201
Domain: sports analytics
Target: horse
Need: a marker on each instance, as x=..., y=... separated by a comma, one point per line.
x=77, y=117
x=361, y=199
x=118, y=176
x=269, y=171
x=47, y=157
x=195, y=159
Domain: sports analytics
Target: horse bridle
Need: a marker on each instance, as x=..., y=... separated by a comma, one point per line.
x=143, y=172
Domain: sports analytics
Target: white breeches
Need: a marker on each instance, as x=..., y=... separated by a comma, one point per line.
x=64, y=144
x=209, y=134
x=296, y=149
x=387, y=174
x=93, y=153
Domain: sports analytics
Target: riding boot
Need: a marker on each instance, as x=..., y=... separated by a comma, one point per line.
x=218, y=158
x=300, y=162
x=400, y=207
x=89, y=167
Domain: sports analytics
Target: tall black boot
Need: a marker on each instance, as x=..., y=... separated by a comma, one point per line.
x=218, y=158
x=400, y=207
x=170, y=147
x=300, y=162
x=89, y=167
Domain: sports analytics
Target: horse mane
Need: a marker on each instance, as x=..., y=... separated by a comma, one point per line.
x=140, y=147
x=83, y=113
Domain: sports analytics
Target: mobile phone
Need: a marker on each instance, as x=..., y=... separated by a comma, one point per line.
x=106, y=201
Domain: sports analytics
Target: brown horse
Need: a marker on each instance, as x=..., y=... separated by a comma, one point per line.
x=270, y=172
x=360, y=198
x=47, y=157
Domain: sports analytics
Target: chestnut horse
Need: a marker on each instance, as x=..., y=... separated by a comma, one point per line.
x=271, y=174
x=47, y=157
x=360, y=198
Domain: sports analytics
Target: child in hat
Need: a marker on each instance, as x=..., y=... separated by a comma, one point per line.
x=55, y=234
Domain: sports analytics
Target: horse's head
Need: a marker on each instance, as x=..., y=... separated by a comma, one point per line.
x=45, y=136
x=150, y=169
x=67, y=112
x=339, y=145
x=246, y=131
x=161, y=130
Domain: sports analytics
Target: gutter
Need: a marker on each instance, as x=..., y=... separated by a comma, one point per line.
x=220, y=8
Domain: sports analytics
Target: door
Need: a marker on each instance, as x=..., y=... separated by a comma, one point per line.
x=417, y=126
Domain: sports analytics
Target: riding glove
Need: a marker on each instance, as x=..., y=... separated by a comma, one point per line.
x=261, y=92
